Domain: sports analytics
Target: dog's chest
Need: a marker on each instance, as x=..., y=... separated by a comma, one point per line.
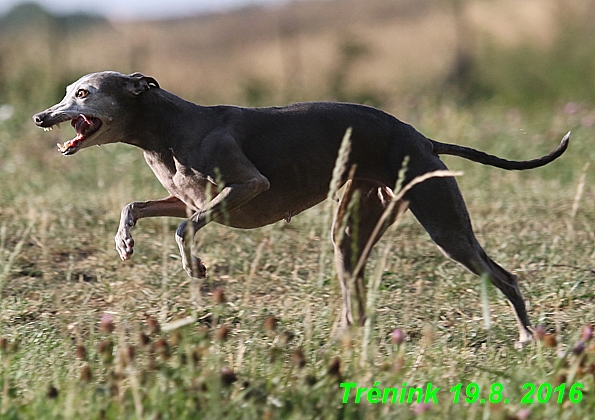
x=188, y=185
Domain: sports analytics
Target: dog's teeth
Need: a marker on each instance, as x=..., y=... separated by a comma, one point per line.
x=58, y=126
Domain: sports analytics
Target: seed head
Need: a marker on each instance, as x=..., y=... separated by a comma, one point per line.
x=310, y=380
x=285, y=337
x=540, y=332
x=128, y=353
x=144, y=339
x=579, y=348
x=86, y=374
x=228, y=377
x=334, y=368
x=523, y=414
x=222, y=333
x=561, y=379
x=81, y=352
x=419, y=409
x=195, y=356
x=219, y=296
x=298, y=358
x=162, y=348
x=397, y=337
x=52, y=393
x=154, y=327
x=550, y=340
x=106, y=324
x=270, y=323
x=183, y=359
x=587, y=333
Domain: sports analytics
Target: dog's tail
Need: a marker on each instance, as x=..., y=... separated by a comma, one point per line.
x=511, y=165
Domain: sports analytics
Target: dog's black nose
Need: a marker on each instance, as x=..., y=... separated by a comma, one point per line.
x=38, y=118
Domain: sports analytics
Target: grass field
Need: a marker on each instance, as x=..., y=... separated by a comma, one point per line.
x=85, y=335
x=79, y=328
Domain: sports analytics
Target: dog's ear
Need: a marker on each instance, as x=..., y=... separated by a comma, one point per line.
x=140, y=83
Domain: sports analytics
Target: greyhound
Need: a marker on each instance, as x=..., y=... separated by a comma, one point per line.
x=263, y=165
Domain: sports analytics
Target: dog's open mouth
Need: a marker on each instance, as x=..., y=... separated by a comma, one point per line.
x=85, y=126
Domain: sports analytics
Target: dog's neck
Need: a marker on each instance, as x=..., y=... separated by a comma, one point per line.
x=160, y=118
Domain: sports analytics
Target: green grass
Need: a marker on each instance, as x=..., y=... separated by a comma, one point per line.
x=60, y=273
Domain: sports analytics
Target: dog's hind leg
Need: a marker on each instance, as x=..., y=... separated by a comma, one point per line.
x=359, y=211
x=438, y=204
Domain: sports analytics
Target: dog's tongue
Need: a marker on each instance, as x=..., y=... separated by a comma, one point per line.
x=81, y=125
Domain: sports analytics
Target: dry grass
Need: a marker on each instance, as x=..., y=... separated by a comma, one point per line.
x=60, y=275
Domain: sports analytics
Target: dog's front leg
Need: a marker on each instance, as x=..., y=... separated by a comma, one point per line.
x=218, y=209
x=171, y=206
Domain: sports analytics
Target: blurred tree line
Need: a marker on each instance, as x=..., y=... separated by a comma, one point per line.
x=28, y=29
x=527, y=75
x=482, y=70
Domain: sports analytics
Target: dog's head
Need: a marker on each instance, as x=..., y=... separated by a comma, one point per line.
x=96, y=105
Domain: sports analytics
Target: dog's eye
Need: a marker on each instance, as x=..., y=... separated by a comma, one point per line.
x=81, y=93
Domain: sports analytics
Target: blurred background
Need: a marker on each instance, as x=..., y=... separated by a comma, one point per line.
x=521, y=53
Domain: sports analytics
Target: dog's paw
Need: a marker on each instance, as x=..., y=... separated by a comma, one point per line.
x=525, y=339
x=124, y=244
x=124, y=241
x=195, y=269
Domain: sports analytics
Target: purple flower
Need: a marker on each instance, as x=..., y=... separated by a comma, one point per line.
x=397, y=336
x=587, y=333
x=523, y=414
x=421, y=408
x=107, y=323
